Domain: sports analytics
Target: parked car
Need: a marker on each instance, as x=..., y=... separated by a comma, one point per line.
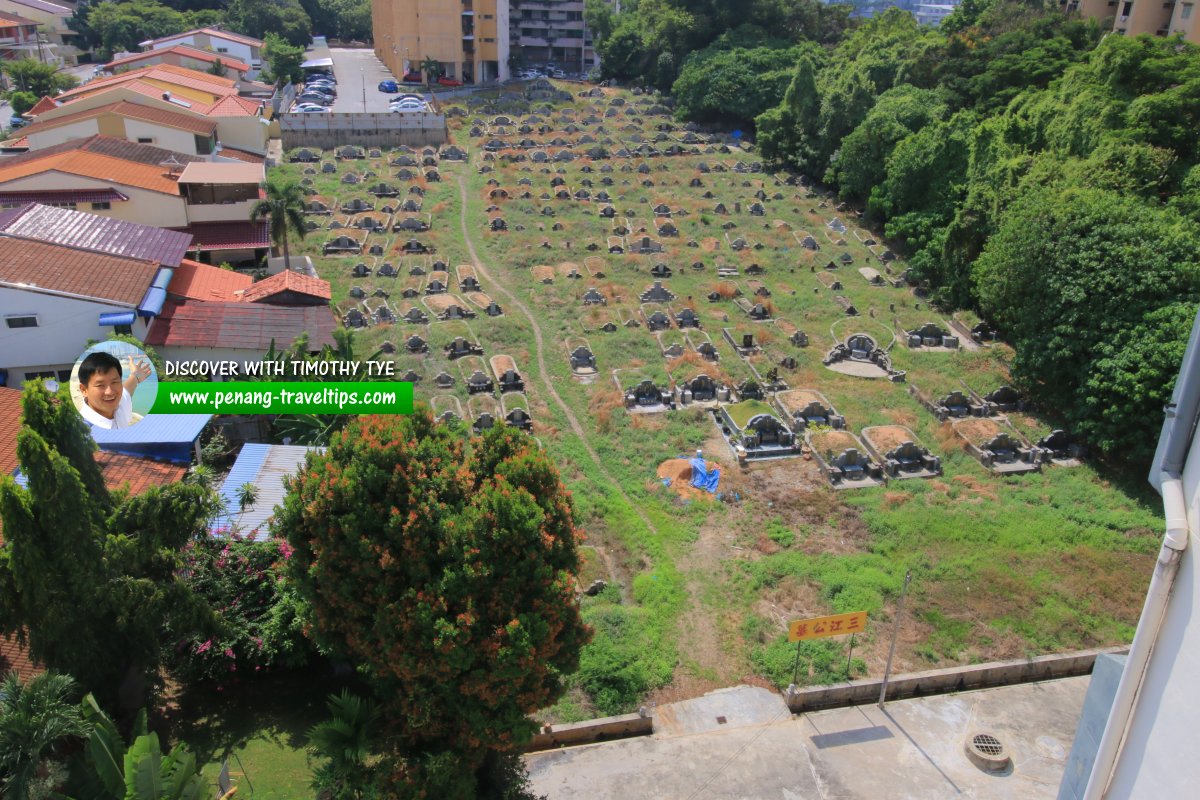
x=308, y=108
x=17, y=121
x=412, y=77
x=389, y=87
x=444, y=81
x=318, y=99
x=322, y=85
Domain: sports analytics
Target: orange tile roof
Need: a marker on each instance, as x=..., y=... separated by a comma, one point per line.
x=235, y=106
x=124, y=108
x=287, y=281
x=13, y=19
x=15, y=658
x=168, y=73
x=10, y=425
x=196, y=281
x=184, y=51
x=241, y=155
x=58, y=268
x=121, y=172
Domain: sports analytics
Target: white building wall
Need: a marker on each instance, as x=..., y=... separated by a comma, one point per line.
x=244, y=133
x=1158, y=758
x=65, y=325
x=503, y=44
x=144, y=207
x=160, y=136
x=242, y=52
x=64, y=133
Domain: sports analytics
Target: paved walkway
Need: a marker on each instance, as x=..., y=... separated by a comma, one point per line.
x=913, y=750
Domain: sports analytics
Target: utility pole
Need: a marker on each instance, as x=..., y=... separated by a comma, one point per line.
x=895, y=633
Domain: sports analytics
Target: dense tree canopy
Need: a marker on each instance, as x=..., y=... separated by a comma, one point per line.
x=90, y=577
x=443, y=566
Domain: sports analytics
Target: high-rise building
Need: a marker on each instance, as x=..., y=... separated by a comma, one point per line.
x=1132, y=17
x=552, y=31
x=468, y=38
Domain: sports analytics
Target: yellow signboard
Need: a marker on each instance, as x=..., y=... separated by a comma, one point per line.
x=819, y=627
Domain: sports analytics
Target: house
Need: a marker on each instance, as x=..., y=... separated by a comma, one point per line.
x=54, y=22
x=263, y=466
x=240, y=121
x=19, y=39
x=67, y=277
x=243, y=48
x=180, y=55
x=170, y=130
x=122, y=180
x=235, y=331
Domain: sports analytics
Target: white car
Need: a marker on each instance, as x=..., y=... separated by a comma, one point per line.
x=309, y=108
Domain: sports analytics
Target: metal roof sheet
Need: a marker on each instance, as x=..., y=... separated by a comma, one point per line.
x=240, y=326
x=100, y=234
x=229, y=235
x=215, y=172
x=64, y=196
x=169, y=437
x=264, y=466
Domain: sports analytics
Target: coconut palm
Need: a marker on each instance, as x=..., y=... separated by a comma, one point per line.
x=37, y=719
x=247, y=495
x=431, y=68
x=284, y=206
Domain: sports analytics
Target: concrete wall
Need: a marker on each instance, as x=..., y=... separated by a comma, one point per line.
x=366, y=130
x=592, y=730
x=75, y=130
x=65, y=324
x=953, y=679
x=1096, y=707
x=143, y=206
x=1158, y=757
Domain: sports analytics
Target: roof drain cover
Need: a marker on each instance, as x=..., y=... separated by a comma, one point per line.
x=987, y=752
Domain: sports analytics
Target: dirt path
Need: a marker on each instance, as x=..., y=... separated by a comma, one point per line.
x=540, y=352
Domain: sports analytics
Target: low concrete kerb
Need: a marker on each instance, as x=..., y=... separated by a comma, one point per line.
x=592, y=730
x=944, y=681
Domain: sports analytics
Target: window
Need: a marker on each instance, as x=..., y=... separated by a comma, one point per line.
x=487, y=16
x=486, y=39
x=64, y=376
x=105, y=206
x=30, y=321
x=125, y=329
x=30, y=376
x=222, y=49
x=1186, y=12
x=1127, y=8
x=145, y=140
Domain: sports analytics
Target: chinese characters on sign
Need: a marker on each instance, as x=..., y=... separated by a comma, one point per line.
x=820, y=627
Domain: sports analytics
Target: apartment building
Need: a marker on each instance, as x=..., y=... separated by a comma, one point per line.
x=1133, y=17
x=468, y=38
x=552, y=31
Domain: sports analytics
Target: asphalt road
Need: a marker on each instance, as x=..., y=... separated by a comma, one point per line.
x=358, y=74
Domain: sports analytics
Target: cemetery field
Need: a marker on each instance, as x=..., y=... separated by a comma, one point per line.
x=531, y=286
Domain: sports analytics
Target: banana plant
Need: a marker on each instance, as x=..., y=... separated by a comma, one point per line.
x=110, y=770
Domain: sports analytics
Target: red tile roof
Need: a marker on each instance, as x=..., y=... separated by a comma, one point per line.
x=15, y=658
x=10, y=425
x=167, y=73
x=45, y=104
x=239, y=326
x=139, y=474
x=71, y=270
x=184, y=51
x=241, y=155
x=208, y=236
x=195, y=281
x=287, y=281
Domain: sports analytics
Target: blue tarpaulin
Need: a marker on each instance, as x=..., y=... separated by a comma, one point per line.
x=703, y=477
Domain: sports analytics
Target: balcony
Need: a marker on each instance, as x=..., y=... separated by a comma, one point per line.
x=234, y=211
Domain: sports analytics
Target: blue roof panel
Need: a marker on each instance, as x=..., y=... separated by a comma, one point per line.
x=169, y=437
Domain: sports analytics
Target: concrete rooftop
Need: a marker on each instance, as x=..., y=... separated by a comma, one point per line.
x=913, y=750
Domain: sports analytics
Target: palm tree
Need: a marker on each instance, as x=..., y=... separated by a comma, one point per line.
x=37, y=719
x=284, y=205
x=431, y=68
x=345, y=742
x=247, y=495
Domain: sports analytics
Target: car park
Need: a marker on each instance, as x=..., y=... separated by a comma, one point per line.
x=390, y=87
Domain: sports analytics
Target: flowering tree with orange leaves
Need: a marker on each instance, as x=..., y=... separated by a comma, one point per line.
x=443, y=566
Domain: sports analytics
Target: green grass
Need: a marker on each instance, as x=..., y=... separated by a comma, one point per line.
x=1036, y=563
x=741, y=413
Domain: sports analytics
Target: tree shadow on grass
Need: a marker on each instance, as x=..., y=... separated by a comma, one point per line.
x=280, y=708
